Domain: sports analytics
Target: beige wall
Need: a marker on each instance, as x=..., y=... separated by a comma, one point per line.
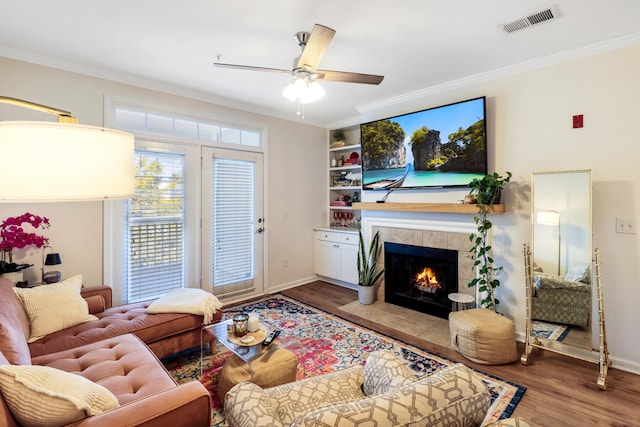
x=529, y=119
x=295, y=163
x=530, y=125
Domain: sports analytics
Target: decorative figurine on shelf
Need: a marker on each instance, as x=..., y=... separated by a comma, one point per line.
x=353, y=160
x=356, y=197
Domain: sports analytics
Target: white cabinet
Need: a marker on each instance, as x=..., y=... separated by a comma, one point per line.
x=336, y=255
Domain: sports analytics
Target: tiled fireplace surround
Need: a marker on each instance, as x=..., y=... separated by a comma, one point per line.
x=441, y=234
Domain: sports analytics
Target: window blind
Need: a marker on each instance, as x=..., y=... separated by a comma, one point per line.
x=155, y=226
x=233, y=223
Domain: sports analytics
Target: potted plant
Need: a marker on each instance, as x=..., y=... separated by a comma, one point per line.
x=368, y=271
x=487, y=191
x=14, y=236
x=338, y=135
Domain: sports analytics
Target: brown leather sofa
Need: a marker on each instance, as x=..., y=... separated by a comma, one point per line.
x=164, y=334
x=120, y=352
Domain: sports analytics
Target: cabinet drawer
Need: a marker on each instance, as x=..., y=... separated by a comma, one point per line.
x=345, y=238
x=349, y=239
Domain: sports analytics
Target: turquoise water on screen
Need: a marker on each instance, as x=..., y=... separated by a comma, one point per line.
x=421, y=178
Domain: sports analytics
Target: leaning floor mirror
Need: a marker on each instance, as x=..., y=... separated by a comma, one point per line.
x=565, y=311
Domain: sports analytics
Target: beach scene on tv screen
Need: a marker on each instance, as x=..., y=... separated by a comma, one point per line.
x=439, y=147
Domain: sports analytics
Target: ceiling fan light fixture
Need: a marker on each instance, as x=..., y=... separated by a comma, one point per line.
x=313, y=93
x=303, y=90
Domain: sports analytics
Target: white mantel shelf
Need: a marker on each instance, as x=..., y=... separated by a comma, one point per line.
x=427, y=207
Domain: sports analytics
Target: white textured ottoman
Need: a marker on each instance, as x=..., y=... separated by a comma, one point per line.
x=483, y=336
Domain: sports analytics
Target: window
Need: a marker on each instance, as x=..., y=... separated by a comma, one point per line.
x=140, y=121
x=155, y=226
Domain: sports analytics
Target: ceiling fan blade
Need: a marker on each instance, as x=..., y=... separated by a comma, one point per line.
x=318, y=42
x=251, y=68
x=343, y=76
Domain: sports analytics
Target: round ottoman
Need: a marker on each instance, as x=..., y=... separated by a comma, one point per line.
x=275, y=367
x=483, y=336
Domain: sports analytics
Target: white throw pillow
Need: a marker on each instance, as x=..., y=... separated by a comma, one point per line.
x=579, y=271
x=46, y=397
x=54, y=307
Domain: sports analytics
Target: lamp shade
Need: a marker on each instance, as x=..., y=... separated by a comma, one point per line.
x=53, y=259
x=55, y=162
x=548, y=218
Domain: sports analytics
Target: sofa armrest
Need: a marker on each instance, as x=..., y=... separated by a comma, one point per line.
x=187, y=405
x=102, y=291
x=383, y=371
x=248, y=405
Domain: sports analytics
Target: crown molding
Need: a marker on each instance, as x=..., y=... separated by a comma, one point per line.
x=559, y=58
x=96, y=72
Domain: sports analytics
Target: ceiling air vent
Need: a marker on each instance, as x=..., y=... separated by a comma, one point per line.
x=533, y=19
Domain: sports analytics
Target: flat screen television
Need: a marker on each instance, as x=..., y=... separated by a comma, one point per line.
x=445, y=146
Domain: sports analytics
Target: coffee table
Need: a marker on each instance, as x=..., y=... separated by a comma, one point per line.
x=222, y=332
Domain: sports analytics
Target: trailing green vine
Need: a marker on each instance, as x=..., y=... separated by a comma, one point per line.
x=487, y=191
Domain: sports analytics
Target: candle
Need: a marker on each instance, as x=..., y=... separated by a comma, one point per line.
x=254, y=321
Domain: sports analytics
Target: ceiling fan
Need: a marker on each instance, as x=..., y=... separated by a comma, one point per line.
x=305, y=67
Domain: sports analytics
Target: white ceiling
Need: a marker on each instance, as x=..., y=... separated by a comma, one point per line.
x=416, y=44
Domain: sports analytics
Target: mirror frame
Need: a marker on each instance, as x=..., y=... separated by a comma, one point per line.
x=601, y=355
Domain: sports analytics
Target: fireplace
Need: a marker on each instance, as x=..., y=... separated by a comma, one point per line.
x=420, y=278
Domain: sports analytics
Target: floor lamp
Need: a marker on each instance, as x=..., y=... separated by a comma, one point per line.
x=551, y=217
x=63, y=161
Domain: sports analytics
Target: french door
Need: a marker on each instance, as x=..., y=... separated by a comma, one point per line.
x=232, y=221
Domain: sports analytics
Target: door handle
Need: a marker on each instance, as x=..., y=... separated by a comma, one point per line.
x=260, y=230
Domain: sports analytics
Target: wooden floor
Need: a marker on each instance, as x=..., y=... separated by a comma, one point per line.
x=561, y=391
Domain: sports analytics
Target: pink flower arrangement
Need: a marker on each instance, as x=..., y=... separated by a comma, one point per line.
x=14, y=237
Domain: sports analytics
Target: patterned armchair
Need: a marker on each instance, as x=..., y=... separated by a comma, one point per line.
x=385, y=392
x=559, y=300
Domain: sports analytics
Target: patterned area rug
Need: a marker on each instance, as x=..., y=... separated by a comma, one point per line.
x=551, y=331
x=326, y=343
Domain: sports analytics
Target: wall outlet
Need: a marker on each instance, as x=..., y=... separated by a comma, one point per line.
x=625, y=226
x=285, y=262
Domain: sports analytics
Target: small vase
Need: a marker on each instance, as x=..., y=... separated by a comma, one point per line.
x=367, y=294
x=7, y=256
x=15, y=277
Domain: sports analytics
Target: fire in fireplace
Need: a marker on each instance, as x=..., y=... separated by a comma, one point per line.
x=420, y=278
x=426, y=281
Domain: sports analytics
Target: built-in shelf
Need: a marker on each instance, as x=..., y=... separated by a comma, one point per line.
x=427, y=207
x=345, y=187
x=345, y=148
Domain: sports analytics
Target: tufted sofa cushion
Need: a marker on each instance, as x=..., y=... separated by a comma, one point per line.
x=114, y=321
x=122, y=364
